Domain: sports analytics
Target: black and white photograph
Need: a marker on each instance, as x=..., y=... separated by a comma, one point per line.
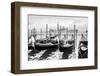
x=52, y=37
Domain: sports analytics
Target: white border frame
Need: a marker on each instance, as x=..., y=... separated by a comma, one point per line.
x=25, y=64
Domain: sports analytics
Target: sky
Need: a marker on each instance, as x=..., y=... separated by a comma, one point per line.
x=40, y=21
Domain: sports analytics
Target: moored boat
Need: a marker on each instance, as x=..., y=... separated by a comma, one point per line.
x=42, y=45
x=66, y=47
x=83, y=48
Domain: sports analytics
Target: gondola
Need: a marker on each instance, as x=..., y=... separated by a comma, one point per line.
x=66, y=47
x=83, y=49
x=85, y=42
x=42, y=45
x=30, y=47
x=71, y=41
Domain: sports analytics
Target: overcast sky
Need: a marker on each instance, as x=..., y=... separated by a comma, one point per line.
x=39, y=21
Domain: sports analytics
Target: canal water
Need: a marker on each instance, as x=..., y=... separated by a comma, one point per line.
x=50, y=54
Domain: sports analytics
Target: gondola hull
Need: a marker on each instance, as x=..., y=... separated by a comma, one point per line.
x=84, y=42
x=83, y=53
x=45, y=46
x=67, y=49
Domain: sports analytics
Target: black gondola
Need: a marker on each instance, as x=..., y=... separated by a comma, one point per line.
x=30, y=47
x=83, y=49
x=43, y=44
x=66, y=48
